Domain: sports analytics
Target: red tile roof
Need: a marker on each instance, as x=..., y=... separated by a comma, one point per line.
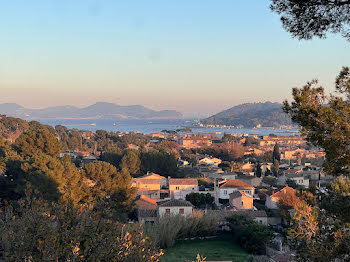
x=284, y=191
x=235, y=184
x=147, y=199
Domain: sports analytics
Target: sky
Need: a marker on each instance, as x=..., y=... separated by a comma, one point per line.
x=195, y=56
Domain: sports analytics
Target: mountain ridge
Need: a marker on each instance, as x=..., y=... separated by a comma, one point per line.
x=249, y=115
x=99, y=110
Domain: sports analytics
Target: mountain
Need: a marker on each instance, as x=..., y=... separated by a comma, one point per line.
x=100, y=110
x=250, y=115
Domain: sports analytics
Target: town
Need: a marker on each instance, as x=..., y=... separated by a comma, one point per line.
x=237, y=174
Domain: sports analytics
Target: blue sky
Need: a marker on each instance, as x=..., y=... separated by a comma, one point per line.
x=195, y=56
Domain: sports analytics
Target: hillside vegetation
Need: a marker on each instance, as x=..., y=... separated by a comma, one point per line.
x=250, y=115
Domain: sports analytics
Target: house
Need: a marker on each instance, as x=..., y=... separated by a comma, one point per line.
x=248, y=167
x=143, y=184
x=179, y=188
x=157, y=135
x=241, y=200
x=259, y=216
x=298, y=178
x=163, y=180
x=174, y=207
x=288, y=154
x=250, y=180
x=88, y=159
x=146, y=209
x=196, y=140
x=210, y=161
x=224, y=190
x=149, y=185
x=272, y=200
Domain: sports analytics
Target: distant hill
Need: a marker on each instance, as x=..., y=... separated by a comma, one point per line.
x=250, y=115
x=100, y=110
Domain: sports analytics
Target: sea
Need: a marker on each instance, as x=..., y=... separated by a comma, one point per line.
x=157, y=125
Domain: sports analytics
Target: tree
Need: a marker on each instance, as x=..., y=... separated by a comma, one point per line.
x=276, y=155
x=305, y=19
x=325, y=120
x=200, y=200
x=130, y=162
x=258, y=170
x=162, y=163
x=299, y=158
x=112, y=156
x=107, y=185
x=229, y=139
x=235, y=151
x=233, y=166
x=276, y=167
x=72, y=185
x=36, y=141
x=337, y=202
x=320, y=225
x=250, y=235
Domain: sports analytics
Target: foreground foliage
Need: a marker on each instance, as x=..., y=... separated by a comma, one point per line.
x=320, y=230
x=37, y=231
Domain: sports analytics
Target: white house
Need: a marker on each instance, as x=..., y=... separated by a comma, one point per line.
x=174, y=207
x=298, y=178
x=224, y=190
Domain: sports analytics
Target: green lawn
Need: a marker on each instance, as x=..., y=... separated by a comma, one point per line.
x=212, y=249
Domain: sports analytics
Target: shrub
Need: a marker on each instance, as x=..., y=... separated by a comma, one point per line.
x=249, y=234
x=170, y=228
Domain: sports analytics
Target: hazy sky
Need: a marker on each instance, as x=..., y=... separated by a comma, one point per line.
x=195, y=56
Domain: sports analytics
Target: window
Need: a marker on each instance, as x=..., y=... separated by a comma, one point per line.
x=181, y=211
x=167, y=211
x=225, y=192
x=177, y=188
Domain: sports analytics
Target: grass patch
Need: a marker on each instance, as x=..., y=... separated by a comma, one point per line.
x=212, y=249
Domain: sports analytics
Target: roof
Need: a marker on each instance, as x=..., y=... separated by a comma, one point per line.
x=220, y=214
x=175, y=203
x=183, y=181
x=283, y=191
x=294, y=175
x=152, y=176
x=236, y=184
x=247, y=177
x=237, y=194
x=147, y=181
x=144, y=202
x=146, y=213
